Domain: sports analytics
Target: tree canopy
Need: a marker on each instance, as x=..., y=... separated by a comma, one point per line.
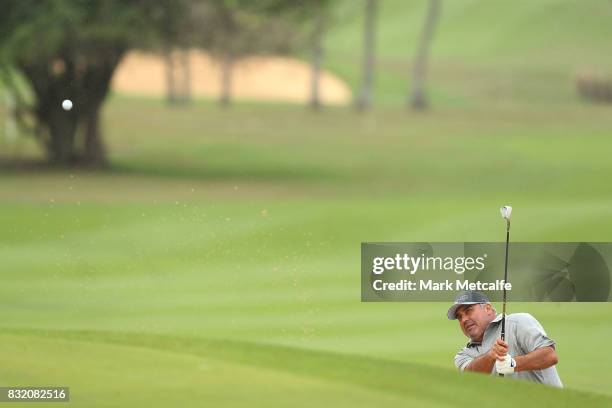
x=69, y=50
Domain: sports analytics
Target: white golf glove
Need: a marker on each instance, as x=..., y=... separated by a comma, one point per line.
x=506, y=366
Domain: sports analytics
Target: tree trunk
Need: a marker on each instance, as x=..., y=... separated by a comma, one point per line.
x=364, y=100
x=418, y=98
x=95, y=152
x=62, y=127
x=72, y=137
x=171, y=92
x=186, y=76
x=10, y=122
x=317, y=58
x=227, y=64
x=178, y=76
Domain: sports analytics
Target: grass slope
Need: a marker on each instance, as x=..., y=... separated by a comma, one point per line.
x=223, y=373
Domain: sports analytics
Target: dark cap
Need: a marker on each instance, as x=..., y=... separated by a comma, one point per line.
x=469, y=297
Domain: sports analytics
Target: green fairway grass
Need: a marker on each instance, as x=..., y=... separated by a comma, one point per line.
x=208, y=232
x=124, y=369
x=216, y=262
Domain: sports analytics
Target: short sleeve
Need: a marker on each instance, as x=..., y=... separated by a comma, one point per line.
x=463, y=359
x=531, y=335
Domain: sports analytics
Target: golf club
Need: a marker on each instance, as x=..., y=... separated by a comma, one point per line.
x=506, y=211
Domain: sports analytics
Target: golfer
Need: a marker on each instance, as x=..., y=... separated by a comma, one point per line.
x=528, y=353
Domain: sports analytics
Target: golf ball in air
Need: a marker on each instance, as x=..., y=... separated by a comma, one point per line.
x=67, y=104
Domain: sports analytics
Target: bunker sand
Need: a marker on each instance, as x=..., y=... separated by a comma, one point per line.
x=260, y=78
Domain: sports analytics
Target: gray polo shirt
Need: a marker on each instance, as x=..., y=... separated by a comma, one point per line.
x=524, y=334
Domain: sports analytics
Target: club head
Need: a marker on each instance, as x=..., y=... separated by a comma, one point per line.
x=506, y=211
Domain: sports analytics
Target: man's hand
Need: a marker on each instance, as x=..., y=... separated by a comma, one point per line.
x=499, y=350
x=505, y=366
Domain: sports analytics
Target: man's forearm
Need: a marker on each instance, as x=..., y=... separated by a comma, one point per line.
x=482, y=364
x=536, y=360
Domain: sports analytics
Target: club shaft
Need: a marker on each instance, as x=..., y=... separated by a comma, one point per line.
x=503, y=323
x=503, y=327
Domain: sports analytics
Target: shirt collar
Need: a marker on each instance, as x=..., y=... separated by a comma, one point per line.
x=497, y=319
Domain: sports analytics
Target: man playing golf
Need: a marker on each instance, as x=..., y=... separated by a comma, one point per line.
x=528, y=353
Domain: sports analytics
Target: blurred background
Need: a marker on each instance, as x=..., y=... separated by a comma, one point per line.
x=189, y=232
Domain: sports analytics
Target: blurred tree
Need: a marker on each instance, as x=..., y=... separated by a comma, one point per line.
x=232, y=29
x=227, y=45
x=227, y=40
x=178, y=75
x=418, y=99
x=364, y=98
x=178, y=27
x=318, y=33
x=69, y=50
x=309, y=19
